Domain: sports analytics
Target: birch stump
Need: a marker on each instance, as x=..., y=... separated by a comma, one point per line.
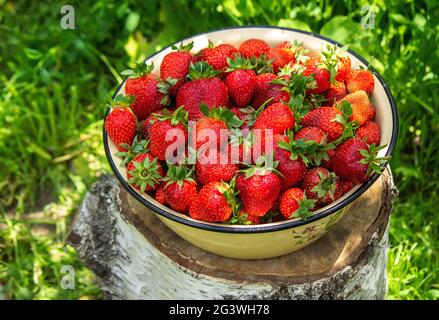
x=135, y=256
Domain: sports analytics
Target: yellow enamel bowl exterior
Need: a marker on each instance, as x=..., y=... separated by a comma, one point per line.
x=272, y=239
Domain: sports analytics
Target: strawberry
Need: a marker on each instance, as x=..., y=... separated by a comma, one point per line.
x=360, y=80
x=321, y=76
x=369, y=133
x=215, y=120
x=280, y=57
x=294, y=204
x=160, y=194
x=215, y=167
x=324, y=118
x=121, y=123
x=217, y=56
x=180, y=188
x=241, y=81
x=342, y=187
x=150, y=93
x=265, y=90
x=320, y=184
x=144, y=172
x=166, y=121
x=336, y=92
x=204, y=88
x=343, y=69
x=258, y=188
x=311, y=133
x=253, y=48
x=354, y=160
x=214, y=203
x=290, y=165
x=277, y=117
x=175, y=65
x=361, y=106
x=148, y=122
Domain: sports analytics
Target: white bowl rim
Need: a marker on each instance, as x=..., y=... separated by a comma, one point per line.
x=270, y=227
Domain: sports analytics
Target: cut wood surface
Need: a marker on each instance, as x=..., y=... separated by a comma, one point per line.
x=137, y=257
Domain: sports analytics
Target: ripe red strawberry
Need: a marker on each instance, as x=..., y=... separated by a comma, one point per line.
x=280, y=57
x=342, y=188
x=241, y=81
x=148, y=122
x=343, y=69
x=336, y=92
x=354, y=160
x=253, y=48
x=175, y=65
x=204, y=88
x=324, y=118
x=144, y=172
x=180, y=188
x=360, y=80
x=361, y=106
x=277, y=117
x=121, y=123
x=160, y=194
x=166, y=121
x=265, y=90
x=150, y=93
x=369, y=133
x=210, y=127
x=321, y=185
x=294, y=204
x=211, y=167
x=217, y=56
x=258, y=189
x=320, y=75
x=290, y=165
x=212, y=203
x=311, y=133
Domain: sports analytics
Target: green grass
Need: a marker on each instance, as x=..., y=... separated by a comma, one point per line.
x=54, y=84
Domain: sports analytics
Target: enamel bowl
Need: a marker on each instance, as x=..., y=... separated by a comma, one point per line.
x=272, y=239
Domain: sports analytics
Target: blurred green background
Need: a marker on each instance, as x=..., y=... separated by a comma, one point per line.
x=54, y=84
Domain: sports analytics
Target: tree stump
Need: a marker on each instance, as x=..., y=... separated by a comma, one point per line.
x=136, y=256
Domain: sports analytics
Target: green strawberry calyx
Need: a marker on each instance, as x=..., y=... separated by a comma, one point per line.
x=239, y=63
x=145, y=173
x=375, y=163
x=121, y=101
x=344, y=119
x=183, y=47
x=164, y=87
x=178, y=174
x=178, y=116
x=262, y=64
x=264, y=165
x=137, y=147
x=231, y=194
x=326, y=185
x=222, y=113
x=305, y=208
x=141, y=69
x=330, y=57
x=310, y=151
x=201, y=70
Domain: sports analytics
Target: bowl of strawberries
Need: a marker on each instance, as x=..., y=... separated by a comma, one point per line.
x=250, y=142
